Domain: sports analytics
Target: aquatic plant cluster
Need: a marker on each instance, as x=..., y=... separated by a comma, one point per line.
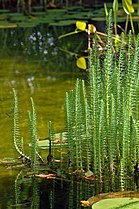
x=102, y=116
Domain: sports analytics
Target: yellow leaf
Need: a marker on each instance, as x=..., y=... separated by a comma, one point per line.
x=81, y=63
x=127, y=6
x=81, y=25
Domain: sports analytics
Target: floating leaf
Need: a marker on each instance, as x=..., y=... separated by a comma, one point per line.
x=27, y=24
x=81, y=25
x=81, y=63
x=5, y=24
x=127, y=6
x=63, y=23
x=4, y=11
x=126, y=203
x=18, y=18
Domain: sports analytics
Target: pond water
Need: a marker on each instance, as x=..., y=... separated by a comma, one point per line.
x=32, y=62
x=36, y=68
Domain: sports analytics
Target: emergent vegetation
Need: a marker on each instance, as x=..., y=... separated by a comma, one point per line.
x=102, y=117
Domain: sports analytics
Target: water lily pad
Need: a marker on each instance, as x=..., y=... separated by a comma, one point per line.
x=74, y=8
x=98, y=19
x=6, y=24
x=27, y=24
x=18, y=18
x=13, y=14
x=117, y=203
x=4, y=10
x=44, y=20
x=39, y=13
x=63, y=23
x=57, y=11
x=3, y=16
x=36, y=8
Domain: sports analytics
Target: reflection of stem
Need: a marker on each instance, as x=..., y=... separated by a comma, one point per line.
x=17, y=188
x=69, y=52
x=50, y=156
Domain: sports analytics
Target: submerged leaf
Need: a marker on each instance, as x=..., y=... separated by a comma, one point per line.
x=81, y=25
x=81, y=63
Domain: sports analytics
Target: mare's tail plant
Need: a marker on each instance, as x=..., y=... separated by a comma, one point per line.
x=103, y=116
x=35, y=156
x=18, y=140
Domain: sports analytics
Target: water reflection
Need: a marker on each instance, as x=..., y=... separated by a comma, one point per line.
x=50, y=194
x=26, y=191
x=25, y=65
x=31, y=62
x=41, y=43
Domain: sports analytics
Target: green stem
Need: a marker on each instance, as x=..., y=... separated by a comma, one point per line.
x=69, y=34
x=132, y=26
x=126, y=24
x=115, y=22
